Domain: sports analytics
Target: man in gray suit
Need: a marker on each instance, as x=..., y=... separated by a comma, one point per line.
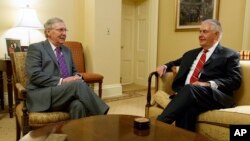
x=53, y=81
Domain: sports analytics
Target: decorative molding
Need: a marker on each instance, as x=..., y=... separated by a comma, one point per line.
x=110, y=90
x=246, y=30
x=153, y=32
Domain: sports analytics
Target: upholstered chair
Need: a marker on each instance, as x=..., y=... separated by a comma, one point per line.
x=79, y=60
x=25, y=120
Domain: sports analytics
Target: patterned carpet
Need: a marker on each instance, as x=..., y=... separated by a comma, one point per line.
x=7, y=126
x=127, y=95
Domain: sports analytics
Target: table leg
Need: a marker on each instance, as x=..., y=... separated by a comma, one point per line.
x=1, y=90
x=9, y=87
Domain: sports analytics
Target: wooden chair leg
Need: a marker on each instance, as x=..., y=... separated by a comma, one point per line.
x=18, y=130
x=25, y=120
x=100, y=89
x=1, y=91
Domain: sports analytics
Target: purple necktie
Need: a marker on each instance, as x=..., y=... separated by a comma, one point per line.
x=61, y=62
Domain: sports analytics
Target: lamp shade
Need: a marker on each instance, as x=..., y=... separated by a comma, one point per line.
x=29, y=19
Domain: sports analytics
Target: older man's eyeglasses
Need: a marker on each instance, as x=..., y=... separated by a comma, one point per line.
x=60, y=29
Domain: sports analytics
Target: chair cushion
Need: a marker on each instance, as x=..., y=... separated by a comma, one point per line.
x=92, y=77
x=244, y=109
x=225, y=117
x=161, y=98
x=41, y=118
x=37, y=119
x=222, y=117
x=154, y=111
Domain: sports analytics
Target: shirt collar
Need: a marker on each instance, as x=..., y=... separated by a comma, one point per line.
x=53, y=46
x=213, y=47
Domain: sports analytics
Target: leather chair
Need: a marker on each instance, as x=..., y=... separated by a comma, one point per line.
x=79, y=60
x=25, y=120
x=214, y=123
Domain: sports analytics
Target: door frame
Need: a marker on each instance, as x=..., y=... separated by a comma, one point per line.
x=153, y=35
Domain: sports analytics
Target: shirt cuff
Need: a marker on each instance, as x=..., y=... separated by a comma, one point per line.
x=60, y=81
x=213, y=85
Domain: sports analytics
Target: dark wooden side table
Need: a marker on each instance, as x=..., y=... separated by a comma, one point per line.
x=5, y=66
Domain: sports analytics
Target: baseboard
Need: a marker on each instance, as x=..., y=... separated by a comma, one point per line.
x=110, y=90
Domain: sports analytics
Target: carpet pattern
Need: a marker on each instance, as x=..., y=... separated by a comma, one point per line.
x=126, y=95
x=7, y=126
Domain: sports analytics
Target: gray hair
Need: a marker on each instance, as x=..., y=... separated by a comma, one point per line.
x=48, y=25
x=216, y=26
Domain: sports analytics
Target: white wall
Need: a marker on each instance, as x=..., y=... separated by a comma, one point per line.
x=103, y=41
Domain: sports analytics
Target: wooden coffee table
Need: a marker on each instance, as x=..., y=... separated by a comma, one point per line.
x=120, y=128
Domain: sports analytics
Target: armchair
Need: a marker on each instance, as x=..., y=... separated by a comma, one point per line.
x=79, y=60
x=214, y=123
x=25, y=120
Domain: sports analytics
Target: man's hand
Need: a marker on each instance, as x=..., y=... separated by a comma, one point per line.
x=199, y=83
x=161, y=70
x=71, y=78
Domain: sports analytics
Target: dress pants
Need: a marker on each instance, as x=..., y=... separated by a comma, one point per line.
x=184, y=108
x=78, y=99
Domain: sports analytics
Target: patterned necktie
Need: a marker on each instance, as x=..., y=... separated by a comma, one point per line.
x=61, y=62
x=198, y=67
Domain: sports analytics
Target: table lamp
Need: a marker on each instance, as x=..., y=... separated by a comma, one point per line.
x=29, y=20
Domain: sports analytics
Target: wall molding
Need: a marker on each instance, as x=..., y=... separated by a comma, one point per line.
x=246, y=29
x=110, y=90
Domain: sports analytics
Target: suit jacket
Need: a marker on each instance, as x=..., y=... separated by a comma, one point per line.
x=43, y=73
x=222, y=67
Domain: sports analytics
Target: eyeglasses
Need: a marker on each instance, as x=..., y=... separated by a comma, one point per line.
x=61, y=29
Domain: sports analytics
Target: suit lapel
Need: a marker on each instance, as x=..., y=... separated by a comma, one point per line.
x=65, y=52
x=187, y=62
x=215, y=55
x=194, y=56
x=50, y=51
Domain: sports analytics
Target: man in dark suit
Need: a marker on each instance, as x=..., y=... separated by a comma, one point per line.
x=217, y=76
x=53, y=81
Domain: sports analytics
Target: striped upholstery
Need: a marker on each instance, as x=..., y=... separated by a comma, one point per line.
x=244, y=55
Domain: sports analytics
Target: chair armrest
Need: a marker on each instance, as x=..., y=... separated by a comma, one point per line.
x=149, y=86
x=21, y=91
x=167, y=80
x=21, y=96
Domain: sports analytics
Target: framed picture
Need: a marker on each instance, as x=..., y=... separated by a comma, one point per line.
x=14, y=45
x=190, y=13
